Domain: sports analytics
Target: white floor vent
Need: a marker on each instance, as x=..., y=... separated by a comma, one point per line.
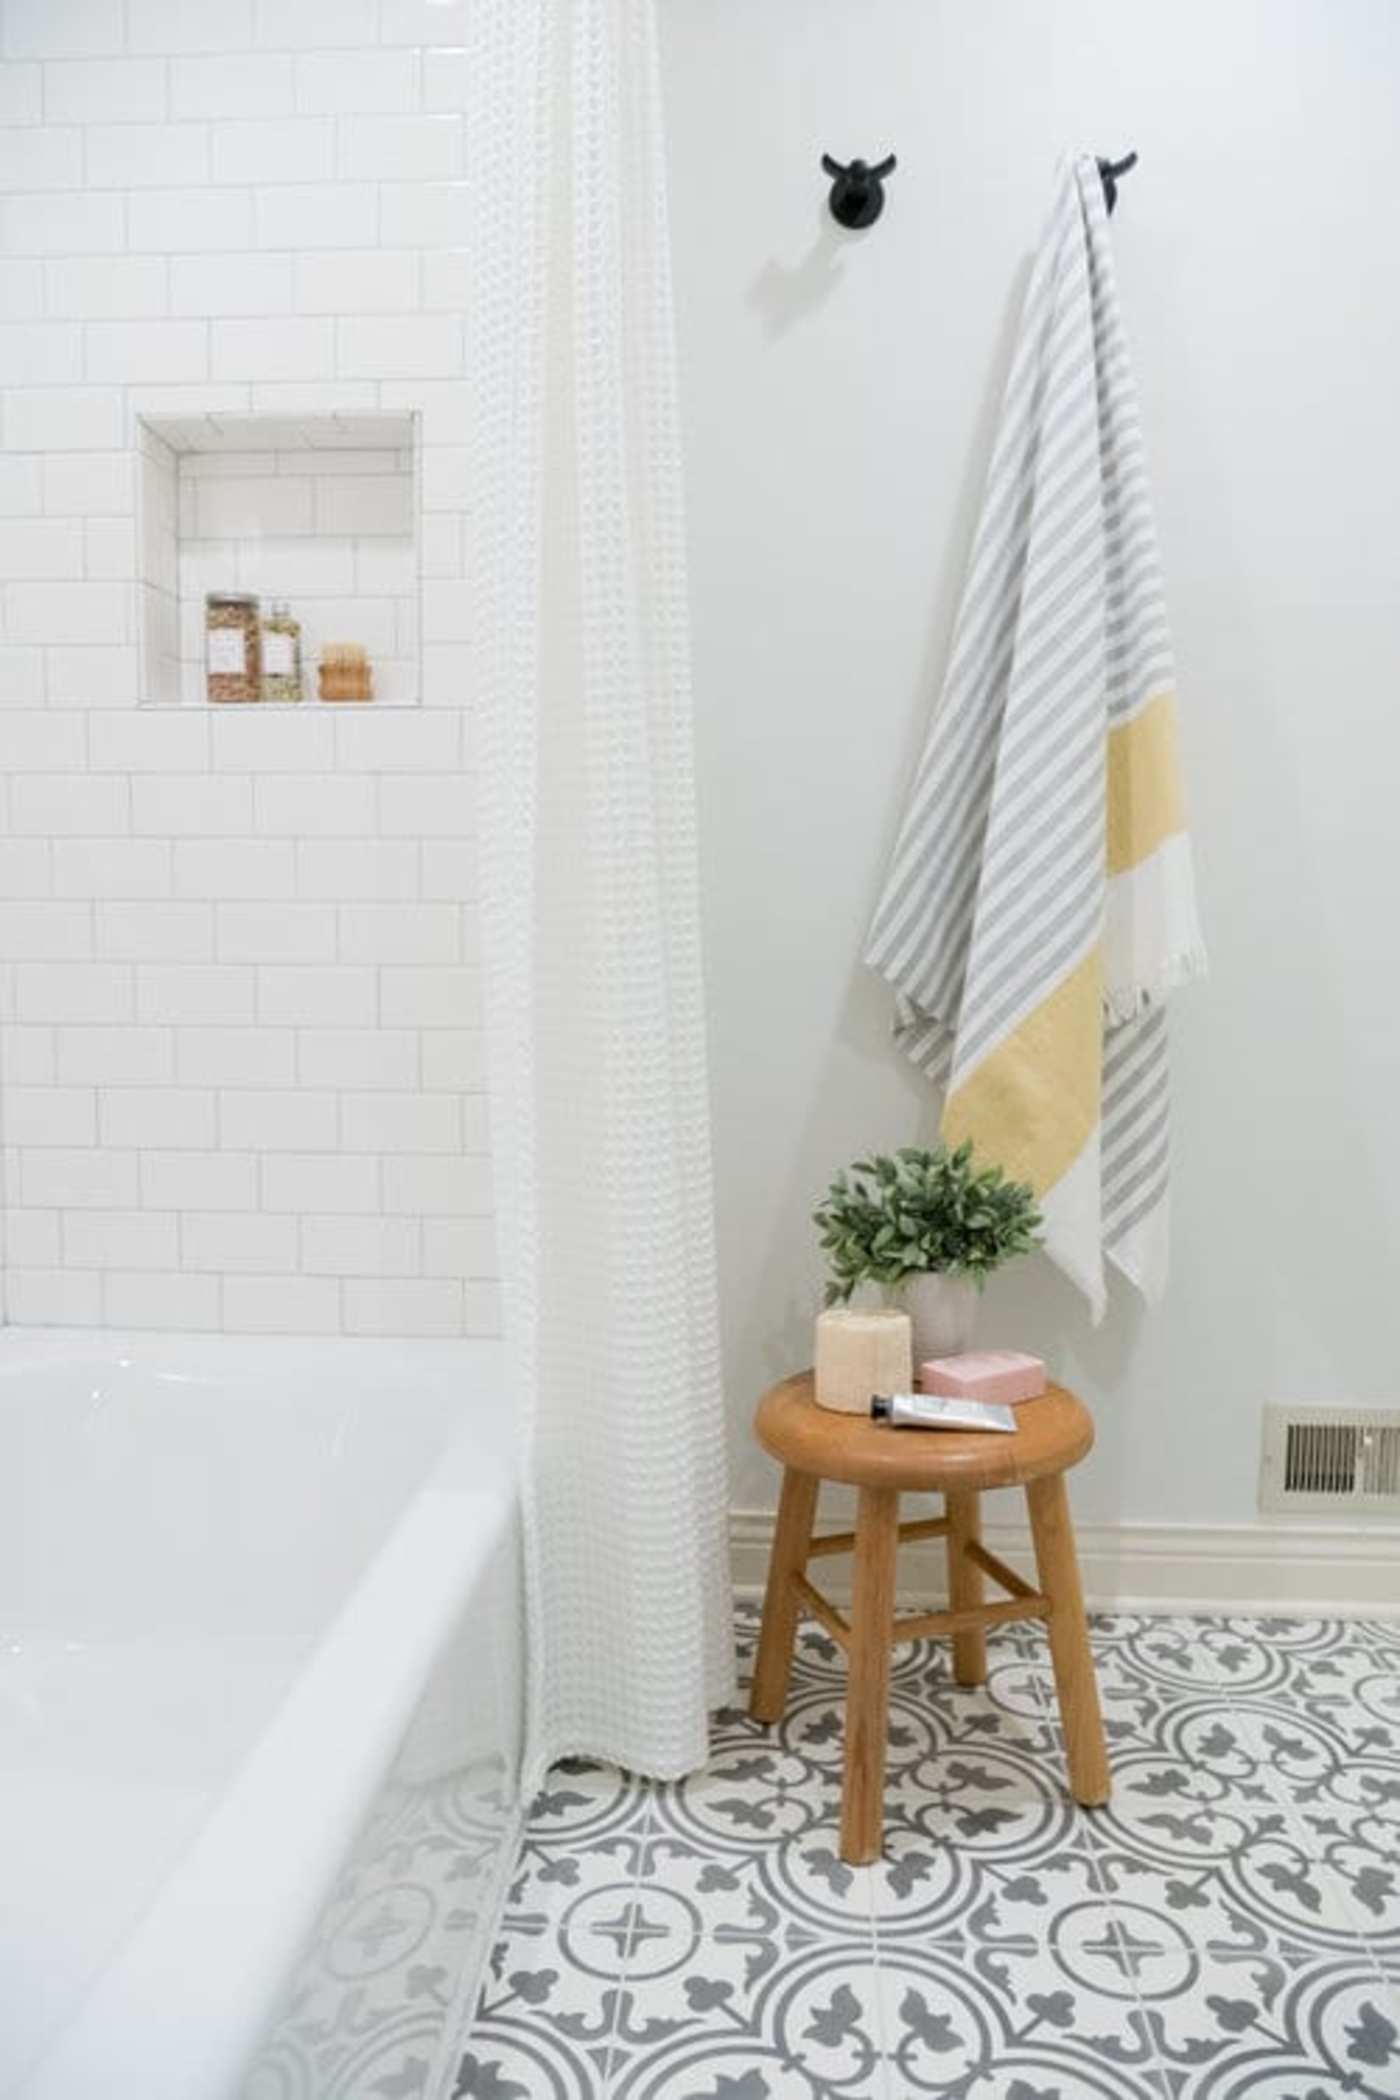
x=1320, y=1458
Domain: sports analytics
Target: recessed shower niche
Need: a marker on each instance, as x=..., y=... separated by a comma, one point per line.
x=321, y=512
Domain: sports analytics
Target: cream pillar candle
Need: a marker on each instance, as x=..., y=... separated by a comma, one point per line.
x=860, y=1353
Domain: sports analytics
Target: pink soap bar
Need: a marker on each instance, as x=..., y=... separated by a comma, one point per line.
x=985, y=1374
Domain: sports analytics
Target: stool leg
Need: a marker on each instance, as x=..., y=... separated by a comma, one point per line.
x=796, y=1509
x=1070, y=1653
x=868, y=1679
x=965, y=1591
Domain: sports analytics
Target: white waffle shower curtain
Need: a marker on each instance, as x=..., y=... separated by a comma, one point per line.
x=581, y=709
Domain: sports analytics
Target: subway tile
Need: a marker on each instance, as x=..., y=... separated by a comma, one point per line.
x=238, y=1244
x=319, y=1182
x=120, y=1239
x=274, y=149
x=423, y=214
x=436, y=1185
x=100, y=867
x=200, y=221
x=417, y=806
x=295, y=805
x=88, y=484
x=318, y=998
x=318, y=215
x=358, y=1057
x=201, y=806
x=22, y=94
x=92, y=675
x=367, y=281
x=42, y=29
x=21, y=486
x=286, y=1119
x=109, y=548
x=481, y=1309
x=401, y=1123
x=460, y=1247
x=50, y=1115
x=347, y=82
x=348, y=1246
x=21, y=286
x=32, y=1239
x=158, y=1118
x=454, y=1057
x=442, y=545
x=195, y=995
x=31, y=742
x=220, y=285
x=145, y=156
x=399, y=933
x=341, y=869
x=105, y=91
x=372, y=503
x=423, y=21
x=235, y=1057
x=63, y=222
x=234, y=868
x=37, y=353
x=278, y=349
x=22, y=677
x=199, y=1180
x=435, y=997
x=107, y=1056
x=155, y=932
x=63, y=419
x=407, y=1306
x=41, y=157
x=309, y=24
x=53, y=1298
x=279, y=932
x=175, y=25
x=43, y=931
x=398, y=346
x=148, y=351
x=400, y=148
x=161, y=1300
x=295, y=397
x=234, y=84
x=450, y=869
x=27, y=1055
x=76, y=611
x=86, y=1179
x=281, y=1305
x=153, y=740
x=447, y=478
x=445, y=80
x=446, y=610
x=69, y=804
x=253, y=741
x=26, y=867
x=244, y=506
x=106, y=287
x=41, y=548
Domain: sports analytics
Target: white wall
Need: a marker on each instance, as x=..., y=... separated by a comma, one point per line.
x=839, y=393
x=242, y=1050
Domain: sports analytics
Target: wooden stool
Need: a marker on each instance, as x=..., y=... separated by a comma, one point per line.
x=813, y=1444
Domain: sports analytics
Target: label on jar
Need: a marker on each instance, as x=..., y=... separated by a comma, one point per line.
x=228, y=652
x=278, y=655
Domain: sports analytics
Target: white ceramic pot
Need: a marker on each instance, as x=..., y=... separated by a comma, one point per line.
x=943, y=1310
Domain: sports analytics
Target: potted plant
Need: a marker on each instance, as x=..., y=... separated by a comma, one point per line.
x=930, y=1227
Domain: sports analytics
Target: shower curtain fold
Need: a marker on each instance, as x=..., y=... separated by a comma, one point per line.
x=581, y=711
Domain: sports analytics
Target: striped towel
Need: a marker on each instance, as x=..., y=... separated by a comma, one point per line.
x=1040, y=900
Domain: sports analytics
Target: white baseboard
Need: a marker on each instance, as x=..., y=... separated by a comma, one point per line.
x=1301, y=1569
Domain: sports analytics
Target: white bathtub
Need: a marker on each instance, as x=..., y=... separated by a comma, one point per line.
x=259, y=1710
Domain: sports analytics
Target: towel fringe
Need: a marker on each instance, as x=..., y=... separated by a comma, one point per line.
x=1129, y=1002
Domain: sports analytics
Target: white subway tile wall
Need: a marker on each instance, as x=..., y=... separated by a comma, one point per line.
x=240, y=1032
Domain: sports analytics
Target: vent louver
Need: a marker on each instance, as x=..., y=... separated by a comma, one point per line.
x=1317, y=1459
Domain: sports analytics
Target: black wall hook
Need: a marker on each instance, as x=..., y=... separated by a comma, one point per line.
x=1109, y=172
x=857, y=191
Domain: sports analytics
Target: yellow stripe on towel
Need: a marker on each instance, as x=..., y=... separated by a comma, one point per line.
x=1033, y=1103
x=1145, y=802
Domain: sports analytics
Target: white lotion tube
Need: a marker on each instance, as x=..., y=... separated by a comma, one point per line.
x=940, y=1411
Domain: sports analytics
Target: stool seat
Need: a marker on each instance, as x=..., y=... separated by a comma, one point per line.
x=1052, y=1434
x=813, y=1444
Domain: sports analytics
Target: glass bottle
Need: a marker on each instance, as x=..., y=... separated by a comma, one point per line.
x=281, y=654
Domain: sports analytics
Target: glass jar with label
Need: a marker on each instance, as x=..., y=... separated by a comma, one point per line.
x=232, y=652
x=281, y=654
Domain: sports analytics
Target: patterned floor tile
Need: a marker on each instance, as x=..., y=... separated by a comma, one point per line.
x=1227, y=1928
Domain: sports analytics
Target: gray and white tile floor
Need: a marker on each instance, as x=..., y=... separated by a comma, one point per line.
x=1227, y=1929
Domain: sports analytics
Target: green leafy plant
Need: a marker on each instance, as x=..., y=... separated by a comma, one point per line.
x=911, y=1212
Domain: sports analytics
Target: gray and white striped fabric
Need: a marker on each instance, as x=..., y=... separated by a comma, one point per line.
x=1040, y=902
